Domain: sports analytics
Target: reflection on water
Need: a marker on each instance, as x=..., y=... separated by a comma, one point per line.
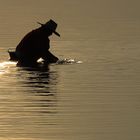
x=28, y=105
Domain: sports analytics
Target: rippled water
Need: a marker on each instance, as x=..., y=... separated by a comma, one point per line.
x=94, y=99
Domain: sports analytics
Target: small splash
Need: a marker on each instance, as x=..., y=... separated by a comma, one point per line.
x=68, y=61
x=7, y=64
x=4, y=66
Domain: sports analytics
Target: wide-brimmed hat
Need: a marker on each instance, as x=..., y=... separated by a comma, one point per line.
x=50, y=25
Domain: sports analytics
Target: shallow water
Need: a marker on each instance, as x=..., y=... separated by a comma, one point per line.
x=96, y=99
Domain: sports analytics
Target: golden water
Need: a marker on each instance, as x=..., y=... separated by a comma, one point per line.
x=94, y=100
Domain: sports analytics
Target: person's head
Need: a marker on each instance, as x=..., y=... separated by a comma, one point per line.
x=50, y=27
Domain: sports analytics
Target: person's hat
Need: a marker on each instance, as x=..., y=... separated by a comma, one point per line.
x=51, y=25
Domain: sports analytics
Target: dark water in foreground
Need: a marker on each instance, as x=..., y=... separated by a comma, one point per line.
x=98, y=99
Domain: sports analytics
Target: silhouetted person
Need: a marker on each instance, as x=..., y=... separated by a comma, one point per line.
x=36, y=45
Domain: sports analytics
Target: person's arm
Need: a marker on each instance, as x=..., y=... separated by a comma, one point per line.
x=50, y=58
x=46, y=54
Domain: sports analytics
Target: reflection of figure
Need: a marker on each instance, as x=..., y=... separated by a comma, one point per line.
x=40, y=85
x=36, y=45
x=39, y=80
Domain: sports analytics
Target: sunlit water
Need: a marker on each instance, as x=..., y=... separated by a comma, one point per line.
x=93, y=93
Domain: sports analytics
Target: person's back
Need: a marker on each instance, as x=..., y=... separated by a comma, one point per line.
x=32, y=46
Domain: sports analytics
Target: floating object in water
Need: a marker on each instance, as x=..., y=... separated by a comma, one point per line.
x=13, y=55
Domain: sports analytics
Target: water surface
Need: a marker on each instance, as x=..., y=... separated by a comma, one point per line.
x=96, y=99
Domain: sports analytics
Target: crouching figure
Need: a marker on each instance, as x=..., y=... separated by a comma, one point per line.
x=35, y=45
